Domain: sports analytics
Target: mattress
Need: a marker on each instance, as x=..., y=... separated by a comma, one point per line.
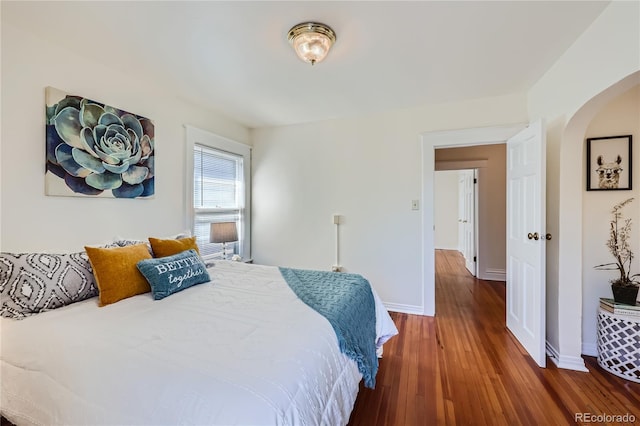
x=241, y=349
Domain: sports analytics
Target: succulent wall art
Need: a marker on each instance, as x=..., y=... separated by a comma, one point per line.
x=94, y=149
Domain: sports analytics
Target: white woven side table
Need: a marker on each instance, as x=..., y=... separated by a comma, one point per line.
x=619, y=344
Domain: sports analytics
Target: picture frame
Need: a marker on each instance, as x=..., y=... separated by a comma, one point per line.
x=609, y=165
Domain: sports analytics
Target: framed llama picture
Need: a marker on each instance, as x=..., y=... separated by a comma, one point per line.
x=609, y=163
x=96, y=150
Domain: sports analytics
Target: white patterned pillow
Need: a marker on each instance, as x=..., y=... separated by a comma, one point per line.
x=35, y=282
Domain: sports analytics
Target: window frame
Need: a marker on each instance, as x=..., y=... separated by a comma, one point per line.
x=210, y=140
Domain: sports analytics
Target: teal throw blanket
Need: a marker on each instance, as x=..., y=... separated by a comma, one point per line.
x=346, y=301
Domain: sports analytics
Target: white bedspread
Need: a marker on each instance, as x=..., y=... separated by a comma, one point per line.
x=242, y=349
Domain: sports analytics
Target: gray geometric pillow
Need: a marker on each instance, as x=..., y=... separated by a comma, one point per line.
x=124, y=242
x=35, y=282
x=129, y=242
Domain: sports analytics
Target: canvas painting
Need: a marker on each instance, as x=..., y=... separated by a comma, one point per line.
x=96, y=150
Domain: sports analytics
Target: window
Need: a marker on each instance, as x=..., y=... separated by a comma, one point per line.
x=220, y=191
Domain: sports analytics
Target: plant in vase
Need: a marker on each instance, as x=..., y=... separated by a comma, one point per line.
x=625, y=285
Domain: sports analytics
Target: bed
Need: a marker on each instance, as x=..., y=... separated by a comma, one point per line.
x=241, y=349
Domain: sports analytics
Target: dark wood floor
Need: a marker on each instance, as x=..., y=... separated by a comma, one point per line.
x=463, y=367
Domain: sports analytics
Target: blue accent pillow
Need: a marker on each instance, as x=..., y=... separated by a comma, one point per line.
x=171, y=274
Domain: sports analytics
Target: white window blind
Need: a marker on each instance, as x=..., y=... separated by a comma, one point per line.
x=218, y=196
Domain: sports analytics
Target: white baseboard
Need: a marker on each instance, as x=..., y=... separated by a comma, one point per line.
x=405, y=309
x=446, y=248
x=590, y=349
x=575, y=363
x=491, y=274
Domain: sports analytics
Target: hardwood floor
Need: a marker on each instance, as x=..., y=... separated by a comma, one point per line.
x=463, y=367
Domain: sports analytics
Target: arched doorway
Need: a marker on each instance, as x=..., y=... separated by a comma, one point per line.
x=568, y=251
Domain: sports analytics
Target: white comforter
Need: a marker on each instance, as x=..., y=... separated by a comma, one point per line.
x=242, y=349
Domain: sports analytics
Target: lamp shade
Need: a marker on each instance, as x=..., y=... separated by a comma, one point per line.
x=311, y=41
x=223, y=232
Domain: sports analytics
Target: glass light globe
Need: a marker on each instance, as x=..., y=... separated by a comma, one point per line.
x=312, y=47
x=311, y=41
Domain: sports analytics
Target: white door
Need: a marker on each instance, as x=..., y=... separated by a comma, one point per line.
x=526, y=239
x=461, y=210
x=469, y=221
x=466, y=219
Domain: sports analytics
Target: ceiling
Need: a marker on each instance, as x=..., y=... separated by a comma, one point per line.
x=234, y=57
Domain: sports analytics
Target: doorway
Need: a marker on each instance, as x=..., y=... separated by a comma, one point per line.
x=481, y=210
x=525, y=185
x=447, y=139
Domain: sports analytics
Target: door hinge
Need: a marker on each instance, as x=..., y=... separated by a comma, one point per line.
x=475, y=259
x=475, y=180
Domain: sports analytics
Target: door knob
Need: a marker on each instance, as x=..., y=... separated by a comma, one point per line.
x=547, y=237
x=533, y=236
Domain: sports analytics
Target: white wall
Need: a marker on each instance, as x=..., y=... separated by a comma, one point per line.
x=620, y=117
x=445, y=209
x=32, y=221
x=606, y=53
x=367, y=169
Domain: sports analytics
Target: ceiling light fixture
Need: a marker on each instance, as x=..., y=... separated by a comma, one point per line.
x=311, y=41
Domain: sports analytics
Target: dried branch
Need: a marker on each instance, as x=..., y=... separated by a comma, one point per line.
x=618, y=245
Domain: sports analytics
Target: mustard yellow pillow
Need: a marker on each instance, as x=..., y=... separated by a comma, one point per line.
x=163, y=248
x=116, y=273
